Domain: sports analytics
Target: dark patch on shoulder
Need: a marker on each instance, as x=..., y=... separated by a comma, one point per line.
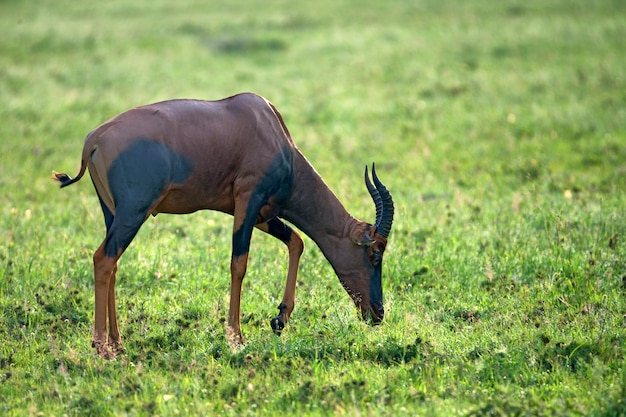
x=277, y=183
x=278, y=180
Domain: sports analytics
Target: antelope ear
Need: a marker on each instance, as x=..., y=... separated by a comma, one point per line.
x=363, y=236
x=365, y=240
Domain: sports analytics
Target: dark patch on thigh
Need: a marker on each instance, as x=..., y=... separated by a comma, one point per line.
x=122, y=231
x=137, y=177
x=277, y=183
x=140, y=173
x=108, y=215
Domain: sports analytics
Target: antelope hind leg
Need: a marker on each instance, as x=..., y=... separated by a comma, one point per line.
x=103, y=275
x=115, y=339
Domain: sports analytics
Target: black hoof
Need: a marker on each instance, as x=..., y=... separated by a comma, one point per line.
x=277, y=325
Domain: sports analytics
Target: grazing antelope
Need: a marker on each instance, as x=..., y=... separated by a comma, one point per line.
x=236, y=156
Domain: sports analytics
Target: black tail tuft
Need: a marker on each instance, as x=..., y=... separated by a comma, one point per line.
x=63, y=178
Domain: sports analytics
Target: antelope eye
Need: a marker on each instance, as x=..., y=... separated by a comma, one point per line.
x=377, y=257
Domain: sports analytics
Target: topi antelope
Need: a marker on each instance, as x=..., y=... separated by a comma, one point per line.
x=236, y=156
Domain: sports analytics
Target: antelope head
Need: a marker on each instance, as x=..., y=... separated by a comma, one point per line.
x=367, y=246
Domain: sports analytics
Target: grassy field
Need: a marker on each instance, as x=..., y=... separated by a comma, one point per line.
x=499, y=127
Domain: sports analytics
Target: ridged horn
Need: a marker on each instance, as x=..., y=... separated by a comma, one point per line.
x=375, y=196
x=383, y=201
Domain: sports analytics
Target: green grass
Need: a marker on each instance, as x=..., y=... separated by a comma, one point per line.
x=499, y=127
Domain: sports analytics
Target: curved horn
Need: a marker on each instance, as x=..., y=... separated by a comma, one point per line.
x=384, y=227
x=375, y=196
x=383, y=201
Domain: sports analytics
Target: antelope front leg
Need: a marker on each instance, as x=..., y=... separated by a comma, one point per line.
x=238, y=267
x=247, y=206
x=289, y=237
x=288, y=303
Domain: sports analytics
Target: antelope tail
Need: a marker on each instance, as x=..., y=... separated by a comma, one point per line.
x=65, y=179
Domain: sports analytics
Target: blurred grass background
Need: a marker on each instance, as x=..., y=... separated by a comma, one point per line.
x=498, y=126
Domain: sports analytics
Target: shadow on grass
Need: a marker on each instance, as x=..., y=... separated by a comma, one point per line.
x=50, y=307
x=241, y=45
x=320, y=350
